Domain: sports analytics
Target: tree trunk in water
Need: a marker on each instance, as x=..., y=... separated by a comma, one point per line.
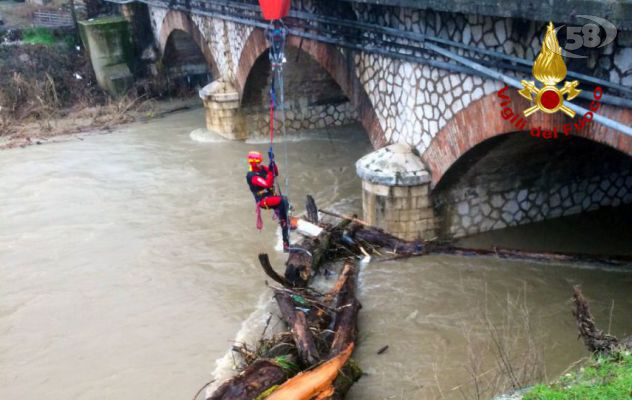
x=304, y=261
x=295, y=319
x=377, y=237
x=347, y=306
x=345, y=328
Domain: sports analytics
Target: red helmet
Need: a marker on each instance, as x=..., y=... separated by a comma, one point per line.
x=254, y=157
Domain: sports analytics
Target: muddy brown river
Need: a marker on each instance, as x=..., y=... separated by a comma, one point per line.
x=128, y=267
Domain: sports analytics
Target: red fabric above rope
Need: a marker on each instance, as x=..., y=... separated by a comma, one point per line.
x=274, y=9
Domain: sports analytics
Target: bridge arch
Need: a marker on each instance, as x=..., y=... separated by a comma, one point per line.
x=489, y=175
x=177, y=21
x=481, y=121
x=337, y=65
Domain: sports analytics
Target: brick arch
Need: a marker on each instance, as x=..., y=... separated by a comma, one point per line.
x=177, y=20
x=339, y=67
x=481, y=120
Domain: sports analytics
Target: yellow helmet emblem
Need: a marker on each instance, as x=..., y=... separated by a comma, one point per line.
x=549, y=69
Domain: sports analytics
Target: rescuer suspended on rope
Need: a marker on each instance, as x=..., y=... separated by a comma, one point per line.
x=261, y=179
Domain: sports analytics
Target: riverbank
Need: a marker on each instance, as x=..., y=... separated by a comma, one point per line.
x=49, y=90
x=78, y=122
x=599, y=378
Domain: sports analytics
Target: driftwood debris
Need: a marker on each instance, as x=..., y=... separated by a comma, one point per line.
x=264, y=260
x=595, y=339
x=321, y=328
x=306, y=258
x=251, y=382
x=531, y=255
x=301, y=333
x=363, y=232
x=347, y=308
x=377, y=237
x=315, y=384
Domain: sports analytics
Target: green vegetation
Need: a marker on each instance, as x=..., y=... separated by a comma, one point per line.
x=39, y=36
x=46, y=37
x=601, y=378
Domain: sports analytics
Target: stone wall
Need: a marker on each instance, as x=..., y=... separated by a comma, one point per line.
x=256, y=121
x=414, y=101
x=515, y=180
x=313, y=99
x=403, y=211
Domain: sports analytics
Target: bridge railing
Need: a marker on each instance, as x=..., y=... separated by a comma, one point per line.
x=52, y=19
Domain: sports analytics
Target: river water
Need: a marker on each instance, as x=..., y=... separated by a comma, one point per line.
x=128, y=267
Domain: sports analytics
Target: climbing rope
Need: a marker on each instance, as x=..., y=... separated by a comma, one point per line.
x=276, y=34
x=272, y=101
x=285, y=139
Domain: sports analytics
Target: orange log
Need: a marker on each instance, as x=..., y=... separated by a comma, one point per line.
x=310, y=384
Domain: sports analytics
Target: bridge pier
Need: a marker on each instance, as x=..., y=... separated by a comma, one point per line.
x=221, y=102
x=396, y=192
x=111, y=53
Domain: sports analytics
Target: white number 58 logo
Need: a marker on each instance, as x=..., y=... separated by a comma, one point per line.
x=587, y=35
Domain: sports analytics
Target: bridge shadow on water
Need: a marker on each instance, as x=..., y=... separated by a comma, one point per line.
x=603, y=231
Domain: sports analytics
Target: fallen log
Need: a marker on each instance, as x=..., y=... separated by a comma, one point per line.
x=529, y=255
x=295, y=319
x=264, y=260
x=314, y=384
x=250, y=383
x=361, y=231
x=377, y=237
x=305, y=259
x=345, y=328
x=347, y=306
x=346, y=273
x=346, y=217
x=349, y=374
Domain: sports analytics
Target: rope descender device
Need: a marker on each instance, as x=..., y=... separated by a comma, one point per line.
x=274, y=11
x=276, y=34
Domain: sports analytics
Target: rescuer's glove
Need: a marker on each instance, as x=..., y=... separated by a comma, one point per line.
x=273, y=168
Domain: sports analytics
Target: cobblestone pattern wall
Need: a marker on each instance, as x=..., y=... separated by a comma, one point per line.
x=513, y=180
x=414, y=101
x=257, y=121
x=313, y=98
x=490, y=209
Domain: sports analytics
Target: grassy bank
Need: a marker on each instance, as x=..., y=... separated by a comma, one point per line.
x=601, y=378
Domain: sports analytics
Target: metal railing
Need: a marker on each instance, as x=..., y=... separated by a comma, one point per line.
x=52, y=19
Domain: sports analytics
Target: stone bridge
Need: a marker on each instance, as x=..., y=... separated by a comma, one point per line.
x=458, y=166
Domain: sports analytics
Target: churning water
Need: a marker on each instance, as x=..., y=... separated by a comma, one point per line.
x=128, y=265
